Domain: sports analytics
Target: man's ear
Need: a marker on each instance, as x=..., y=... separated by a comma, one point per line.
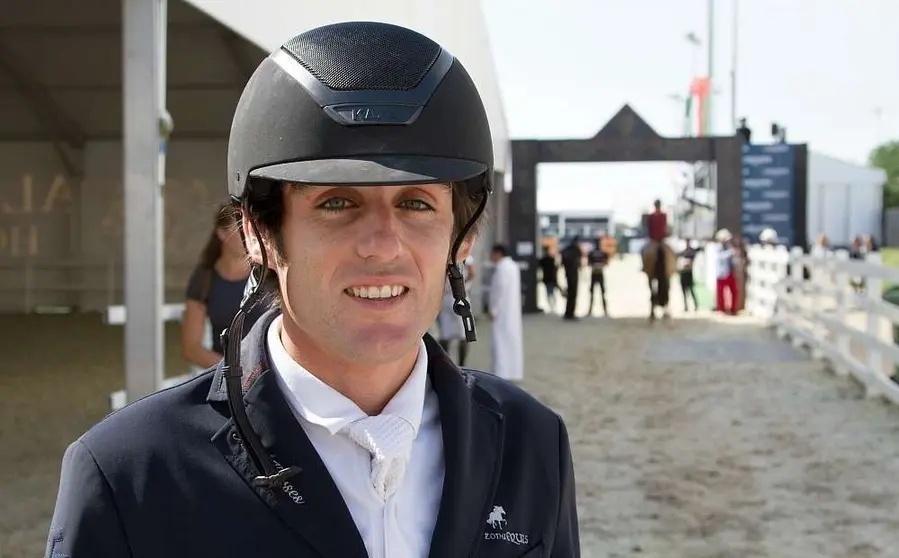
x=465, y=249
x=251, y=241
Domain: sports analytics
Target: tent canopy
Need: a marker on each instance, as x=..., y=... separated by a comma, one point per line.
x=61, y=71
x=61, y=62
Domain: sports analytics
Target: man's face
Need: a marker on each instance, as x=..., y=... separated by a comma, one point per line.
x=363, y=268
x=495, y=256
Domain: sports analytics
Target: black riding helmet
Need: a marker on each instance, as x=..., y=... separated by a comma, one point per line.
x=361, y=104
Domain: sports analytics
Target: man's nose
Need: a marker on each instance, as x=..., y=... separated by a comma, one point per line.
x=380, y=234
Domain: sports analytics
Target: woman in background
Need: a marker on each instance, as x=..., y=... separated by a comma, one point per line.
x=215, y=290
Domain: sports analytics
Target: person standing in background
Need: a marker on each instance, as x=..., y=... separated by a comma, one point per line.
x=572, y=257
x=215, y=290
x=507, y=346
x=550, y=270
x=685, y=270
x=725, y=274
x=598, y=261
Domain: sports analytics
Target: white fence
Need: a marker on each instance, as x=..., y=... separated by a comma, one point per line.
x=837, y=311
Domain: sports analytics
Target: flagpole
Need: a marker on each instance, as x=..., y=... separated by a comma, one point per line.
x=709, y=114
x=733, y=66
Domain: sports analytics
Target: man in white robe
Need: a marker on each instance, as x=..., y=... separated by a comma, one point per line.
x=507, y=347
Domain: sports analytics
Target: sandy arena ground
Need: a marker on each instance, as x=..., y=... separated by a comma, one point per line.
x=699, y=437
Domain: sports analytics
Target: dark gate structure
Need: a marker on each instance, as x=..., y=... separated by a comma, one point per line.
x=625, y=138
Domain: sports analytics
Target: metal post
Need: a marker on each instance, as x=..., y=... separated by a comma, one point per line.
x=144, y=23
x=709, y=113
x=733, y=66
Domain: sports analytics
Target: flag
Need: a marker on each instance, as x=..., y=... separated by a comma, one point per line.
x=700, y=88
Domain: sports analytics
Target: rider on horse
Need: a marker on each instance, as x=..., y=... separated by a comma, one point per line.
x=658, y=257
x=657, y=224
x=657, y=231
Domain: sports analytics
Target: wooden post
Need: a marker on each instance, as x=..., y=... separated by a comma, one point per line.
x=875, y=357
x=797, y=300
x=841, y=281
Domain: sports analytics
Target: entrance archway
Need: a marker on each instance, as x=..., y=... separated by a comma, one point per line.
x=626, y=137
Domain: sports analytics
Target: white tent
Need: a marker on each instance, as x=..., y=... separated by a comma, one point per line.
x=844, y=199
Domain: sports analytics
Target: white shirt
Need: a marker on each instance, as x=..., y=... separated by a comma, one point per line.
x=403, y=525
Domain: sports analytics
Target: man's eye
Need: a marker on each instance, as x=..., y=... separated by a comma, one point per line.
x=416, y=205
x=336, y=204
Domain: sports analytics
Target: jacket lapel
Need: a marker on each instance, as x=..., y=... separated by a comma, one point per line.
x=309, y=502
x=473, y=447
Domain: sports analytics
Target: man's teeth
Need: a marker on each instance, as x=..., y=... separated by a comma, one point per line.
x=384, y=291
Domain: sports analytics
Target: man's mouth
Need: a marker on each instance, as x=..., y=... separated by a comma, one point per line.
x=377, y=292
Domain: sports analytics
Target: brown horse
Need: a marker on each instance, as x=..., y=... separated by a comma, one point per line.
x=659, y=272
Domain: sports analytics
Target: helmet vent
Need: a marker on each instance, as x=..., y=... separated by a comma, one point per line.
x=365, y=56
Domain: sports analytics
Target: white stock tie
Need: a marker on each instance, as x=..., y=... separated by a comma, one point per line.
x=388, y=438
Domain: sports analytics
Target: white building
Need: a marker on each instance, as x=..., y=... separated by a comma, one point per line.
x=844, y=199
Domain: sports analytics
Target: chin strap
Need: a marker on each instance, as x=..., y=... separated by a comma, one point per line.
x=461, y=306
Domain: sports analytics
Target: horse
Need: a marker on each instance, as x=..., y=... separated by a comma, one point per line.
x=496, y=519
x=659, y=273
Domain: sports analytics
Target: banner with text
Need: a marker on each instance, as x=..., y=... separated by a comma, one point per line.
x=768, y=191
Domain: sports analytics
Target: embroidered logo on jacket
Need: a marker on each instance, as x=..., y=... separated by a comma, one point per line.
x=289, y=489
x=497, y=521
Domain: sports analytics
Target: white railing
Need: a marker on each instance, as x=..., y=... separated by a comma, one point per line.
x=837, y=311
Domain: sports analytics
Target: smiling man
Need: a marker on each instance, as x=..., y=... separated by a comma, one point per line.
x=361, y=162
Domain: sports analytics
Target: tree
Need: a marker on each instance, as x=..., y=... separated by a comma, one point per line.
x=886, y=157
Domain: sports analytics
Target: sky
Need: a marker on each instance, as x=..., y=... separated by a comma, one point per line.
x=820, y=68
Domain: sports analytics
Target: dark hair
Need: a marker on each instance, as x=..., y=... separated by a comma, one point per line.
x=226, y=217
x=501, y=248
x=268, y=214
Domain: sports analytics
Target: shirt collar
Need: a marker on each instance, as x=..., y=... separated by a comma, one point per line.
x=320, y=404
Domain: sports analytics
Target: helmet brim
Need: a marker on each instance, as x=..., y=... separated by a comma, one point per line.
x=377, y=170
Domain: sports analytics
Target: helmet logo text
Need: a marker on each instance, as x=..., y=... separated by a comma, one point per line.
x=356, y=115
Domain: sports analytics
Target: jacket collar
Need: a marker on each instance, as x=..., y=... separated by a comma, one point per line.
x=310, y=502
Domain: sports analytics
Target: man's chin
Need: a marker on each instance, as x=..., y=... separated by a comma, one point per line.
x=383, y=342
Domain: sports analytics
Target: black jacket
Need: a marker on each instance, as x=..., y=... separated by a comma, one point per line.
x=166, y=477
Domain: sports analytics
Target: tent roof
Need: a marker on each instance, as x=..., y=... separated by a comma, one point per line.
x=61, y=71
x=61, y=62
x=826, y=169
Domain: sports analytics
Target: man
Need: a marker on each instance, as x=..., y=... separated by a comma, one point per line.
x=361, y=158
x=550, y=270
x=507, y=348
x=572, y=257
x=449, y=324
x=657, y=230
x=598, y=259
x=726, y=280
x=686, y=258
